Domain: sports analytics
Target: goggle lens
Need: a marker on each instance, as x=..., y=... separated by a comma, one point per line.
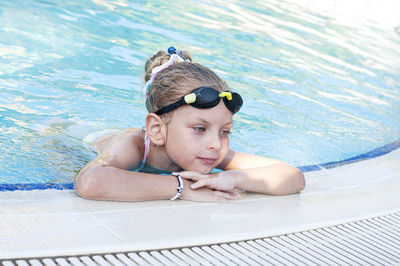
x=235, y=103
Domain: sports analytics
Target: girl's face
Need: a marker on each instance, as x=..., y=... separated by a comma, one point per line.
x=198, y=139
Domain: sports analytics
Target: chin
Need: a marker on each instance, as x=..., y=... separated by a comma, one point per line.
x=201, y=169
x=206, y=170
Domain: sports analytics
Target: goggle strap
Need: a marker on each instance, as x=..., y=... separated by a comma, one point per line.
x=171, y=107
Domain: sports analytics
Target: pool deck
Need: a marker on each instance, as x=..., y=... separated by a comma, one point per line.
x=41, y=223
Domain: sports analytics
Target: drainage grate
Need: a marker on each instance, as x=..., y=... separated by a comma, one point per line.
x=374, y=241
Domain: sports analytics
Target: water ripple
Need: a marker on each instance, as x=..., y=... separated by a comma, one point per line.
x=320, y=83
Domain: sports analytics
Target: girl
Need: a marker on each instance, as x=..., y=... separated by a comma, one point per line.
x=186, y=136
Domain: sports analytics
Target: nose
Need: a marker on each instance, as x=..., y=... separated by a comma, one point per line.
x=214, y=141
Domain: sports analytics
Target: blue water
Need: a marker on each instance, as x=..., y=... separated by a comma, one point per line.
x=320, y=84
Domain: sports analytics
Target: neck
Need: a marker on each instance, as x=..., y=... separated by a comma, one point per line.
x=158, y=158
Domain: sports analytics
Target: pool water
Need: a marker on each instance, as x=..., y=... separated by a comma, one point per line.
x=320, y=83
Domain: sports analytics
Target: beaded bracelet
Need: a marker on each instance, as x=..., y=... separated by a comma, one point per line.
x=179, y=188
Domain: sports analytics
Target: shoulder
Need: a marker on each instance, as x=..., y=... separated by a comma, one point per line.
x=123, y=149
x=240, y=160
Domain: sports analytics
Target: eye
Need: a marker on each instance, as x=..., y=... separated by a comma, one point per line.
x=225, y=132
x=199, y=129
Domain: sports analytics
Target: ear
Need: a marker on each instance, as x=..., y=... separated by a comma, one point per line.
x=155, y=129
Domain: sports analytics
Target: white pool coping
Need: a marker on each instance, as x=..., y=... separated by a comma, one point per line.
x=59, y=223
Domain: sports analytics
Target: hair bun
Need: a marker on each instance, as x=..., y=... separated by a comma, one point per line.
x=156, y=60
x=160, y=58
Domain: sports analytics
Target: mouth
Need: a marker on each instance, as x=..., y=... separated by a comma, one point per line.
x=208, y=161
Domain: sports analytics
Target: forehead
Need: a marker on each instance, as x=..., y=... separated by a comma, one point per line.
x=215, y=115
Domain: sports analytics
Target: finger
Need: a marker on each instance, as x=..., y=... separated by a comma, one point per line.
x=200, y=183
x=190, y=178
x=186, y=173
x=224, y=195
x=181, y=173
x=190, y=175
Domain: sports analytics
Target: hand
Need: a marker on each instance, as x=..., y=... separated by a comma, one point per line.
x=217, y=181
x=204, y=194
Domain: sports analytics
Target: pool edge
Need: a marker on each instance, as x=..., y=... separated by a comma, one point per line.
x=387, y=148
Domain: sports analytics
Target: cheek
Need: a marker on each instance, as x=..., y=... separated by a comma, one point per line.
x=180, y=144
x=225, y=148
x=180, y=137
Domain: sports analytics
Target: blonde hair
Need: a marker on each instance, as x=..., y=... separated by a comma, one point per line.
x=177, y=80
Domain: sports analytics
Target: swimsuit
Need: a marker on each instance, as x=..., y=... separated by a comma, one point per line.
x=146, y=168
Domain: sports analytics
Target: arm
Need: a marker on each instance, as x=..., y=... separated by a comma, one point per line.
x=252, y=173
x=107, y=177
x=110, y=183
x=103, y=182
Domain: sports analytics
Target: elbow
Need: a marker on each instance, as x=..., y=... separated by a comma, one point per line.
x=293, y=182
x=296, y=181
x=83, y=187
x=85, y=184
x=299, y=181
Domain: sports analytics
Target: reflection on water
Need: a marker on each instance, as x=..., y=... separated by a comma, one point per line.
x=320, y=82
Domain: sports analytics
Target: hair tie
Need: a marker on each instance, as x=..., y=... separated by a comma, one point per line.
x=172, y=60
x=182, y=55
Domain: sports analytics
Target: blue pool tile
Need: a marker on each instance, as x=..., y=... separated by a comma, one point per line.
x=36, y=186
x=369, y=155
x=309, y=168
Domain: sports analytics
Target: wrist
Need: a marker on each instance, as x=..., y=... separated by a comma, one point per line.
x=234, y=177
x=179, y=188
x=187, y=188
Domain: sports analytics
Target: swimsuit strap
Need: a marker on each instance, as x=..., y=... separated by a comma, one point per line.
x=146, y=151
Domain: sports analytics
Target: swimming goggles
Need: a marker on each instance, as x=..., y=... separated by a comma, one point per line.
x=206, y=97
